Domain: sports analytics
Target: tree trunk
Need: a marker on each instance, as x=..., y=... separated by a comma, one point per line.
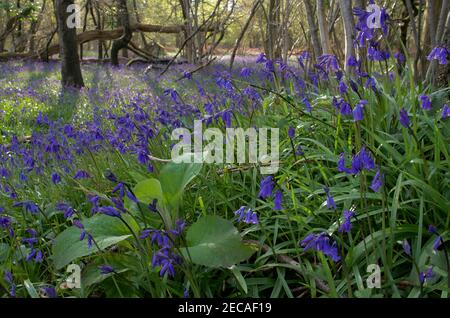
x=273, y=30
x=323, y=27
x=189, y=48
x=347, y=18
x=70, y=63
x=313, y=28
x=123, y=41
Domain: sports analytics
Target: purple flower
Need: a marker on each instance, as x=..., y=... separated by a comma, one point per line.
x=321, y=243
x=432, y=229
x=400, y=57
x=186, y=293
x=277, y=201
x=425, y=276
x=251, y=217
x=346, y=225
x=261, y=58
x=81, y=175
x=445, y=112
x=110, y=211
x=345, y=109
x=406, y=247
x=29, y=206
x=404, y=119
x=9, y=279
x=120, y=187
x=330, y=201
x=106, y=269
x=67, y=209
x=266, y=188
x=328, y=62
x=246, y=215
x=425, y=101
x=437, y=243
x=341, y=164
x=246, y=72
x=302, y=58
x=56, y=178
x=377, y=181
x=353, y=62
x=358, y=111
x=439, y=53
x=342, y=88
x=291, y=132
x=240, y=213
x=49, y=292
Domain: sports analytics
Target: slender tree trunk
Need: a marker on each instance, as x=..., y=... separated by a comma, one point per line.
x=273, y=30
x=313, y=28
x=123, y=41
x=189, y=48
x=99, y=27
x=70, y=63
x=323, y=27
x=285, y=29
x=347, y=18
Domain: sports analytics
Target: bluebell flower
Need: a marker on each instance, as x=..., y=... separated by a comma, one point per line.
x=432, y=229
x=404, y=118
x=110, y=211
x=425, y=101
x=353, y=62
x=346, y=225
x=80, y=174
x=261, y=58
x=56, y=178
x=10, y=280
x=111, y=176
x=377, y=181
x=186, y=293
x=266, y=187
x=345, y=109
x=342, y=88
x=29, y=206
x=358, y=111
x=406, y=247
x=400, y=57
x=120, y=187
x=291, y=132
x=278, y=200
x=246, y=72
x=66, y=209
x=437, y=243
x=341, y=164
x=307, y=104
x=6, y=224
x=251, y=217
x=445, y=112
x=330, y=201
x=153, y=206
x=328, y=62
x=48, y=292
x=302, y=58
x=440, y=54
x=321, y=243
x=106, y=269
x=425, y=276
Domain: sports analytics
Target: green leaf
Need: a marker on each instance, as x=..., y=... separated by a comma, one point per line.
x=240, y=279
x=215, y=242
x=147, y=190
x=174, y=178
x=106, y=231
x=30, y=289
